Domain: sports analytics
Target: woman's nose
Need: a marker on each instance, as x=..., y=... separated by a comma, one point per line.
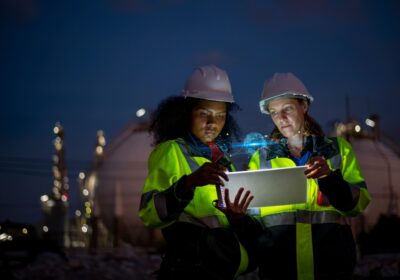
x=281, y=116
x=211, y=119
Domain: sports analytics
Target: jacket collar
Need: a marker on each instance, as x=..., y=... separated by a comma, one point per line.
x=196, y=148
x=316, y=145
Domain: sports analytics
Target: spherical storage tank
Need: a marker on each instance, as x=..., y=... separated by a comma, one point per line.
x=118, y=180
x=380, y=165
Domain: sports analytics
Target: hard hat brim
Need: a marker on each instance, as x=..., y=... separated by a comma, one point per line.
x=212, y=96
x=294, y=95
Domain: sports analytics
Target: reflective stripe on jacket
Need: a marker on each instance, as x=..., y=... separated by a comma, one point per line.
x=168, y=162
x=310, y=225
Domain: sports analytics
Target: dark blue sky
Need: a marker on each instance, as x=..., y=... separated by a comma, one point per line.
x=91, y=64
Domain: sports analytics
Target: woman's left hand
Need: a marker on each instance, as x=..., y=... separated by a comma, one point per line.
x=317, y=167
x=238, y=208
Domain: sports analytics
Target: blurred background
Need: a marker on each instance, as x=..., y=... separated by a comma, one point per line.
x=79, y=80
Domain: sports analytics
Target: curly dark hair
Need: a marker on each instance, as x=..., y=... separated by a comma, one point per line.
x=172, y=119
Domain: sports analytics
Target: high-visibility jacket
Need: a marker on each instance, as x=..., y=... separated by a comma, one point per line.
x=312, y=240
x=200, y=241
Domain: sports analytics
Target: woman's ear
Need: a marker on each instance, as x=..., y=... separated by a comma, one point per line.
x=304, y=105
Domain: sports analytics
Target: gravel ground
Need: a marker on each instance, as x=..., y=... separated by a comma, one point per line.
x=136, y=263
x=121, y=263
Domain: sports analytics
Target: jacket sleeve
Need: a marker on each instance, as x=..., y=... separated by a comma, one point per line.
x=346, y=188
x=161, y=199
x=338, y=191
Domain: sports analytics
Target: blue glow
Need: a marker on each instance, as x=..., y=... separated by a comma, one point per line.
x=251, y=143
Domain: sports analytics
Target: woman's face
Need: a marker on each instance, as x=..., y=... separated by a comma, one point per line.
x=208, y=119
x=288, y=115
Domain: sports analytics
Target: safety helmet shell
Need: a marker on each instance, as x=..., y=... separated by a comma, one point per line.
x=209, y=82
x=283, y=85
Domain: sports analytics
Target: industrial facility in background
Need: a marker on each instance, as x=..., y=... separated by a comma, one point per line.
x=110, y=190
x=55, y=227
x=379, y=158
x=378, y=228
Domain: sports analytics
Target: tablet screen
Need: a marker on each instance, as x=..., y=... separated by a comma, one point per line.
x=270, y=187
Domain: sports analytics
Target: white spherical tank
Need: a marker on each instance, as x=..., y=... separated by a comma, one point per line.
x=118, y=180
x=380, y=166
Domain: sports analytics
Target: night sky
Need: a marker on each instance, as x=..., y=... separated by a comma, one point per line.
x=91, y=64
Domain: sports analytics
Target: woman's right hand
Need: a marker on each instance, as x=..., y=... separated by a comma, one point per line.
x=236, y=209
x=208, y=174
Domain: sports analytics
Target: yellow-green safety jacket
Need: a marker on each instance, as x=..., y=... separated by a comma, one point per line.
x=311, y=240
x=198, y=235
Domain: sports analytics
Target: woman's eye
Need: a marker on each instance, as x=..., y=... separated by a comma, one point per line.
x=203, y=114
x=220, y=117
x=288, y=109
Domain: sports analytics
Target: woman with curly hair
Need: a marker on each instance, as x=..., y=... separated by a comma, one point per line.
x=193, y=134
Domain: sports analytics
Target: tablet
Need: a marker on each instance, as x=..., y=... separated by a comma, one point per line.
x=270, y=187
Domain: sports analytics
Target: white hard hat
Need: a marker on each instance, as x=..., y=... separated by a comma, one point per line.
x=283, y=85
x=209, y=82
